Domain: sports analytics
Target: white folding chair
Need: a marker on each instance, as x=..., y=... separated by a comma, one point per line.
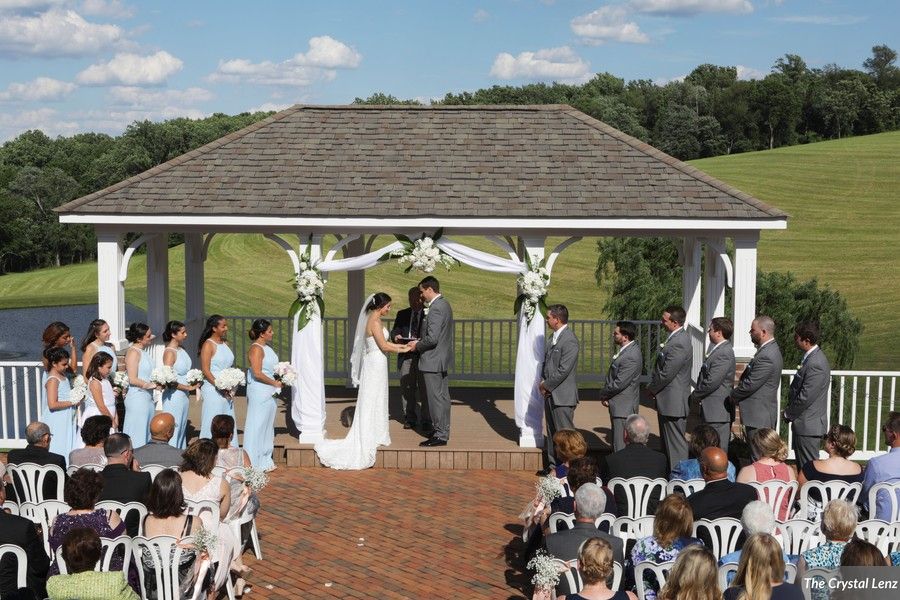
x=237, y=473
x=660, y=570
x=605, y=519
x=569, y=574
x=164, y=553
x=639, y=491
x=627, y=528
x=21, y=562
x=124, y=509
x=29, y=478
x=778, y=495
x=799, y=535
x=198, y=507
x=109, y=547
x=819, y=589
x=876, y=532
x=92, y=466
x=43, y=514
x=723, y=534
x=560, y=518
x=890, y=492
x=685, y=487
x=12, y=507
x=790, y=572
x=618, y=571
x=828, y=491
x=729, y=568
x=154, y=470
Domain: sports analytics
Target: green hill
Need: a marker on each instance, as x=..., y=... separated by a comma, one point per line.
x=843, y=230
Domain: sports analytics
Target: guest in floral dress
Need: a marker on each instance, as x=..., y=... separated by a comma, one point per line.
x=838, y=525
x=672, y=530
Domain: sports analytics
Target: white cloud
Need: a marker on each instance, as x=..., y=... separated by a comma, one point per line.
x=320, y=62
x=608, y=23
x=556, y=64
x=55, y=33
x=132, y=69
x=662, y=81
x=269, y=106
x=746, y=73
x=45, y=119
x=38, y=90
x=822, y=19
x=29, y=5
x=114, y=9
x=153, y=98
x=481, y=16
x=684, y=8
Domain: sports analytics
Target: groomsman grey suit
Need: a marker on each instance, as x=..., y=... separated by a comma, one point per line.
x=671, y=385
x=435, y=357
x=558, y=377
x=621, y=392
x=757, y=390
x=808, y=399
x=715, y=382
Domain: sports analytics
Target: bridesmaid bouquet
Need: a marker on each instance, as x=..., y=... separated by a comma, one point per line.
x=285, y=373
x=546, y=574
x=228, y=379
x=79, y=390
x=164, y=376
x=255, y=479
x=194, y=377
x=120, y=381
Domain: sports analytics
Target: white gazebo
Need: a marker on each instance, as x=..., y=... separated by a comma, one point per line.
x=514, y=174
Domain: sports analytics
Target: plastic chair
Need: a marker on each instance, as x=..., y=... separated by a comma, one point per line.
x=638, y=492
x=197, y=507
x=43, y=514
x=92, y=466
x=154, y=470
x=29, y=479
x=723, y=533
x=627, y=528
x=660, y=570
x=790, y=572
x=725, y=570
x=237, y=472
x=618, y=571
x=891, y=491
x=605, y=519
x=877, y=532
x=811, y=590
x=21, y=562
x=165, y=554
x=799, y=535
x=123, y=509
x=774, y=492
x=569, y=574
x=12, y=507
x=828, y=491
x=685, y=487
x=558, y=518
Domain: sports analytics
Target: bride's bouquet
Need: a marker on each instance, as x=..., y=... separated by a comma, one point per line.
x=164, y=376
x=120, y=381
x=194, y=377
x=228, y=379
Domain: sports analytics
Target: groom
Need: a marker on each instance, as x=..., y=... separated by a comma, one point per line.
x=435, y=354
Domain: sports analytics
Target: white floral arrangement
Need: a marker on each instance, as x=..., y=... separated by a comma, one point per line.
x=285, y=373
x=546, y=573
x=255, y=479
x=194, y=377
x=533, y=285
x=79, y=390
x=165, y=376
x=120, y=381
x=549, y=488
x=228, y=379
x=205, y=540
x=422, y=254
x=310, y=288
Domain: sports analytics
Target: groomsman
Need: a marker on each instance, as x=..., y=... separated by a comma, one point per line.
x=558, y=384
x=757, y=391
x=716, y=380
x=808, y=400
x=670, y=384
x=621, y=392
x=407, y=326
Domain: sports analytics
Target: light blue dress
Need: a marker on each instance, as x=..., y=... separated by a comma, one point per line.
x=259, y=428
x=176, y=402
x=139, y=405
x=61, y=422
x=215, y=403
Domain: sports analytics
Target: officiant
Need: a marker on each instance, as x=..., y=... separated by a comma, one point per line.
x=407, y=327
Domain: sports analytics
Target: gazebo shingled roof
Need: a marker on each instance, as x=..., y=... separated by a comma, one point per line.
x=443, y=161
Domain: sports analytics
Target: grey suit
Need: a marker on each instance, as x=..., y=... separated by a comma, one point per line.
x=158, y=453
x=622, y=390
x=714, y=384
x=757, y=391
x=558, y=374
x=808, y=405
x=671, y=384
x=435, y=357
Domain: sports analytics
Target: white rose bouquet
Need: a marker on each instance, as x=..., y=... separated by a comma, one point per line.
x=533, y=285
x=228, y=379
x=310, y=287
x=120, y=381
x=194, y=377
x=285, y=373
x=164, y=376
x=422, y=254
x=79, y=390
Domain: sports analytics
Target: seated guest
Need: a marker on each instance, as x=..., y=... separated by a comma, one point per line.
x=581, y=470
x=882, y=469
x=693, y=576
x=81, y=550
x=720, y=497
x=21, y=532
x=635, y=460
x=838, y=525
x=760, y=573
x=770, y=452
x=93, y=433
x=756, y=518
x=568, y=444
x=672, y=528
x=590, y=502
x=37, y=452
x=229, y=457
x=860, y=553
x=121, y=482
x=704, y=436
x=158, y=451
x=595, y=563
x=840, y=443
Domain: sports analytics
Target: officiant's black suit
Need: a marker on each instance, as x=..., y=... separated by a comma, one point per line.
x=408, y=324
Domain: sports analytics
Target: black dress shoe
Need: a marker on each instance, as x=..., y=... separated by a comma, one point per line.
x=432, y=442
x=409, y=425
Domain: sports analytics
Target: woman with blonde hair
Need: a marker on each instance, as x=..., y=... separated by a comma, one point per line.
x=595, y=563
x=838, y=526
x=760, y=573
x=694, y=576
x=770, y=452
x=840, y=444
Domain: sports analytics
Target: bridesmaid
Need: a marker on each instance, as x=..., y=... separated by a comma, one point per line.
x=58, y=335
x=97, y=340
x=139, y=405
x=259, y=428
x=215, y=355
x=176, y=401
x=58, y=412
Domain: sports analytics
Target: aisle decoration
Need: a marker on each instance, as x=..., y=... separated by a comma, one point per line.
x=422, y=254
x=533, y=284
x=546, y=575
x=205, y=540
x=255, y=479
x=310, y=287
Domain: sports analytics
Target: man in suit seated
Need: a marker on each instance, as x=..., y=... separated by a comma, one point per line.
x=120, y=482
x=158, y=451
x=635, y=460
x=21, y=532
x=720, y=497
x=37, y=452
x=590, y=503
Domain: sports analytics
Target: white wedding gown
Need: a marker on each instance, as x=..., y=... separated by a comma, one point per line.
x=370, y=422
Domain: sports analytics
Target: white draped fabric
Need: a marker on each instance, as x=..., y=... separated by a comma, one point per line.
x=308, y=406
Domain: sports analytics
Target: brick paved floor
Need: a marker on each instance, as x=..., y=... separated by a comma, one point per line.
x=384, y=533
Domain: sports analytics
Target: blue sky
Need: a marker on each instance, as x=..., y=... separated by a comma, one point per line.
x=96, y=65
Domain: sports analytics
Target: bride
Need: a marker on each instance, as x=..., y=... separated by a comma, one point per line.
x=369, y=372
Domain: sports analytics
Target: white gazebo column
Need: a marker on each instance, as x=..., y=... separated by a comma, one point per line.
x=744, y=293
x=194, y=295
x=158, y=283
x=529, y=403
x=690, y=282
x=356, y=293
x=308, y=402
x=110, y=290
x=714, y=280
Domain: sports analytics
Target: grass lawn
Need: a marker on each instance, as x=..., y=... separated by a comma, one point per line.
x=843, y=229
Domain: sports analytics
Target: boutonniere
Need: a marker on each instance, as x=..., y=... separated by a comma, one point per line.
x=798, y=367
x=427, y=305
x=661, y=346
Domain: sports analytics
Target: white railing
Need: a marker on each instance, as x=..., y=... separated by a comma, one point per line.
x=20, y=400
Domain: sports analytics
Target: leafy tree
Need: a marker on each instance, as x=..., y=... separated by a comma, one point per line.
x=841, y=105
x=640, y=275
x=385, y=99
x=882, y=68
x=676, y=132
x=778, y=105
